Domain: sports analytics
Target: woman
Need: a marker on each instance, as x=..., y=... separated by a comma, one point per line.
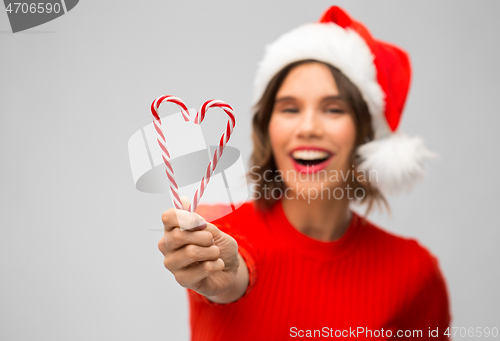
x=296, y=261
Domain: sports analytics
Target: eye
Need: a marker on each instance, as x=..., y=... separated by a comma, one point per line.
x=291, y=110
x=335, y=110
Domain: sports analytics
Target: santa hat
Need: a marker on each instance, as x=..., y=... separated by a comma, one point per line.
x=380, y=71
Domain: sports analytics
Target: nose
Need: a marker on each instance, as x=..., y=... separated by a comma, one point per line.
x=310, y=125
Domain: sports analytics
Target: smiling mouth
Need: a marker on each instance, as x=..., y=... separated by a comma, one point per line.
x=310, y=157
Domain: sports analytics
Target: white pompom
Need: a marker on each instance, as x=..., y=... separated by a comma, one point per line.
x=396, y=163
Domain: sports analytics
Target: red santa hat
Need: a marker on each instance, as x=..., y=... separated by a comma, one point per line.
x=382, y=74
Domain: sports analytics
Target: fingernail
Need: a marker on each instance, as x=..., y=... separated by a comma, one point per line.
x=202, y=223
x=190, y=221
x=213, y=241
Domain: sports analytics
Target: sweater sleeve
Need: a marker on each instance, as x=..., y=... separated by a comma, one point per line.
x=429, y=309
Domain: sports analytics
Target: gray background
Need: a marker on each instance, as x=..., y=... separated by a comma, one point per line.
x=78, y=261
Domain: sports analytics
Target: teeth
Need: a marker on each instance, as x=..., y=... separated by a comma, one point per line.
x=309, y=154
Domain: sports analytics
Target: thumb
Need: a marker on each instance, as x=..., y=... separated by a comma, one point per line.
x=185, y=202
x=189, y=221
x=214, y=230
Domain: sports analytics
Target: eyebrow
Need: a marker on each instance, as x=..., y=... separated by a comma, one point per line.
x=324, y=99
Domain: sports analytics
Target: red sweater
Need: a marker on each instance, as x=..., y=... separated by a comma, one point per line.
x=366, y=284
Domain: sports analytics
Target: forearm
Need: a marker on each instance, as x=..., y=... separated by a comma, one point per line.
x=239, y=287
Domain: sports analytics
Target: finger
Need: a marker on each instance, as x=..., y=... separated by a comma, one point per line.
x=190, y=254
x=176, y=239
x=180, y=218
x=190, y=277
x=185, y=202
x=187, y=226
x=169, y=219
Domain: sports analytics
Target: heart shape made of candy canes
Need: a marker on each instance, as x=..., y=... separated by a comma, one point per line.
x=200, y=116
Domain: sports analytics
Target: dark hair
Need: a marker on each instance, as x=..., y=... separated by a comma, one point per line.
x=262, y=156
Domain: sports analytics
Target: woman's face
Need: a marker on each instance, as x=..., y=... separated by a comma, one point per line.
x=312, y=131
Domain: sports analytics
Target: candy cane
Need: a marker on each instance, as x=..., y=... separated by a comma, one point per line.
x=174, y=190
x=200, y=116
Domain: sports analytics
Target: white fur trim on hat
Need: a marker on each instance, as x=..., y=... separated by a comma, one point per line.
x=329, y=43
x=397, y=161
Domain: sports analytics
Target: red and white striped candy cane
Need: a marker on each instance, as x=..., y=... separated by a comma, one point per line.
x=200, y=116
x=174, y=190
